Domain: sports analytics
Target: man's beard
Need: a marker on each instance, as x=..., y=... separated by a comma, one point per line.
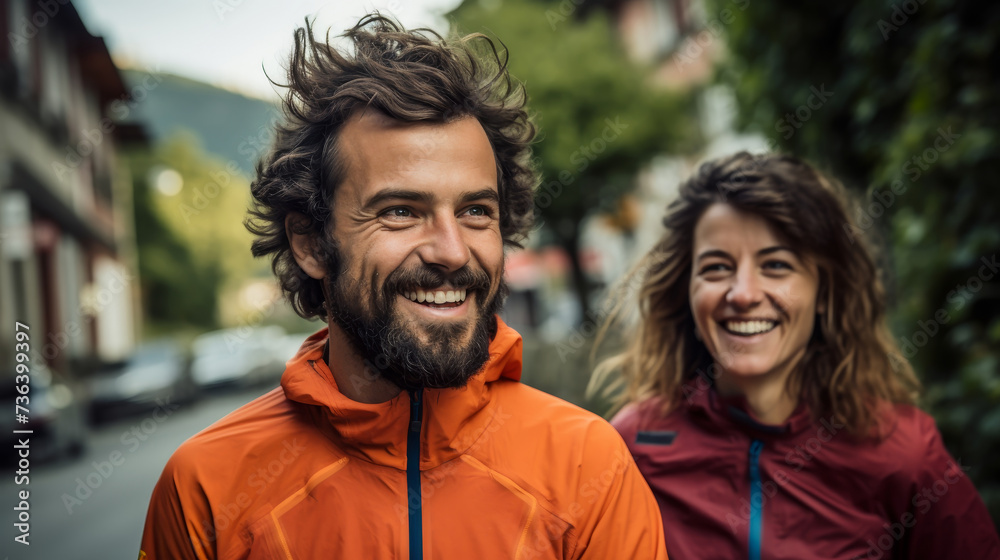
x=390, y=345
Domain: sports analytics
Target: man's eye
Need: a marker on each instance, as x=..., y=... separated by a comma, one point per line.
x=478, y=211
x=399, y=213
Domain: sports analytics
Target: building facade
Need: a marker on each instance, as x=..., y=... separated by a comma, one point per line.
x=67, y=258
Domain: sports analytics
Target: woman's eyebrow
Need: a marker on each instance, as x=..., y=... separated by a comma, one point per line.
x=775, y=249
x=713, y=253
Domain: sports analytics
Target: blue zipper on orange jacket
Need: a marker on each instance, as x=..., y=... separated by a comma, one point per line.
x=416, y=528
x=756, y=502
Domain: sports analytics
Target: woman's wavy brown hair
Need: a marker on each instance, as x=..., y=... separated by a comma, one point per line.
x=410, y=76
x=852, y=365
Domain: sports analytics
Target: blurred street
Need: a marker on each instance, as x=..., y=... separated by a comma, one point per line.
x=104, y=522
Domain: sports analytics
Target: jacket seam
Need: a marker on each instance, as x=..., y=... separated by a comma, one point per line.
x=571, y=529
x=515, y=488
x=291, y=501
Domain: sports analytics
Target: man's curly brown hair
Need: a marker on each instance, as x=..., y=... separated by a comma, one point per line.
x=410, y=76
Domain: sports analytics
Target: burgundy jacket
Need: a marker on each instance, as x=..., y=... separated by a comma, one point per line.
x=729, y=487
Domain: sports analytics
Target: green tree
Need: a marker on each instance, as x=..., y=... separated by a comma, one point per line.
x=193, y=248
x=175, y=290
x=600, y=117
x=910, y=120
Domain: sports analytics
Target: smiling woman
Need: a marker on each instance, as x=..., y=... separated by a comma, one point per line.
x=754, y=305
x=768, y=406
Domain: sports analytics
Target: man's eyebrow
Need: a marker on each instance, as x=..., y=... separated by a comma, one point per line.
x=396, y=194
x=487, y=194
x=775, y=249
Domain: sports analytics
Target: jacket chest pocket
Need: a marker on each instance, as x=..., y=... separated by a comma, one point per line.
x=354, y=512
x=472, y=511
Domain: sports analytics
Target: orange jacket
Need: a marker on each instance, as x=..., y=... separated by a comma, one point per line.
x=505, y=471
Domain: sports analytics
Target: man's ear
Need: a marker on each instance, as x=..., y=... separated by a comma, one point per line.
x=303, y=246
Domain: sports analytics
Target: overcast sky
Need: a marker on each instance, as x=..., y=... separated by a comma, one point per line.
x=226, y=42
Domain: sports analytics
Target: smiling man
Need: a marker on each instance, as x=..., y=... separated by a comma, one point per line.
x=400, y=430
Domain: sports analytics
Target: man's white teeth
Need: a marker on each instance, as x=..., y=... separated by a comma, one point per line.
x=750, y=327
x=437, y=297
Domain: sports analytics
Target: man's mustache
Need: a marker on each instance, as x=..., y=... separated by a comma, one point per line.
x=426, y=277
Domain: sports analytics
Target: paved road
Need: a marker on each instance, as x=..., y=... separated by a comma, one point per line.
x=67, y=522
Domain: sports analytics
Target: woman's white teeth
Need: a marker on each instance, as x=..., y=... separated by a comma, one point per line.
x=437, y=297
x=750, y=327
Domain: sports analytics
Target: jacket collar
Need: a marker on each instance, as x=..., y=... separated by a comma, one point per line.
x=453, y=419
x=708, y=404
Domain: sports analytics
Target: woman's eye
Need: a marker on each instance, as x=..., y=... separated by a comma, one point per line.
x=713, y=268
x=777, y=265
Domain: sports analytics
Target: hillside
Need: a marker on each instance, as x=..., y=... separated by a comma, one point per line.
x=230, y=126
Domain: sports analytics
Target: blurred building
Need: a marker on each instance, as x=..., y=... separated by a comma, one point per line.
x=684, y=42
x=66, y=233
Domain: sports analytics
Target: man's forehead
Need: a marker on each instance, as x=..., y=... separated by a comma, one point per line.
x=375, y=149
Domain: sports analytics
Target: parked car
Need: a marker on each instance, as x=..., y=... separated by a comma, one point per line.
x=56, y=415
x=156, y=373
x=241, y=357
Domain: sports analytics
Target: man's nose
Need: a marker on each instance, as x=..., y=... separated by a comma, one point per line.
x=446, y=245
x=745, y=291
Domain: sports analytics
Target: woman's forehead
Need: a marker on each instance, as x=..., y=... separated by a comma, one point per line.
x=723, y=224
